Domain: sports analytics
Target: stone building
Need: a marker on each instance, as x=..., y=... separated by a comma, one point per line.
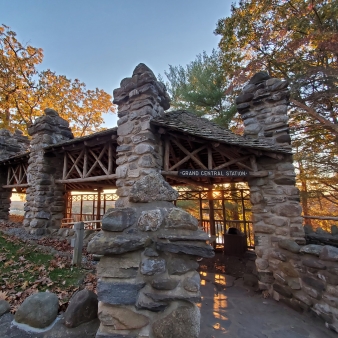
x=149, y=246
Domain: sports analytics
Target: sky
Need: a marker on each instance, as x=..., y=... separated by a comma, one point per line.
x=100, y=42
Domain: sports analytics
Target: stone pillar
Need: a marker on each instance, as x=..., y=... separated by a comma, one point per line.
x=45, y=203
x=275, y=199
x=147, y=279
x=10, y=145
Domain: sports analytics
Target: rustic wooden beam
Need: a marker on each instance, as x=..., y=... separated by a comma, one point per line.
x=75, y=162
x=253, y=163
x=189, y=181
x=110, y=158
x=87, y=179
x=166, y=154
x=65, y=165
x=190, y=155
x=328, y=218
x=98, y=161
x=234, y=161
x=26, y=185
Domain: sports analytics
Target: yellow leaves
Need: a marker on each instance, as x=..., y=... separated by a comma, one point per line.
x=25, y=285
x=3, y=295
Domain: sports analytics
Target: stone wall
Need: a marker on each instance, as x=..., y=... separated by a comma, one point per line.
x=45, y=201
x=302, y=276
x=10, y=145
x=148, y=282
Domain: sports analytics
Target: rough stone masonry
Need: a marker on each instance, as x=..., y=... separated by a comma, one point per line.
x=44, y=205
x=302, y=276
x=148, y=282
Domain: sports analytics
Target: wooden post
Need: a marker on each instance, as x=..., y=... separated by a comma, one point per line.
x=211, y=214
x=98, y=207
x=201, y=210
x=78, y=245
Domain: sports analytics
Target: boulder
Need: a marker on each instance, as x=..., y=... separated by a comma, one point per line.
x=180, y=219
x=4, y=307
x=289, y=245
x=121, y=318
x=118, y=219
x=184, y=322
x=152, y=187
x=82, y=308
x=102, y=244
x=38, y=310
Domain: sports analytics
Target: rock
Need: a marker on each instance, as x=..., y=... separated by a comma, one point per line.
x=264, y=228
x=278, y=221
x=82, y=308
x=259, y=77
x=188, y=248
x=283, y=290
x=334, y=230
x=246, y=97
x=313, y=263
x=183, y=235
x=250, y=280
x=150, y=220
x=118, y=219
x=145, y=303
x=265, y=277
x=149, y=252
x=180, y=219
x=119, y=293
x=150, y=188
x=287, y=210
x=262, y=264
x=152, y=266
x=38, y=310
x=51, y=112
x=329, y=253
x=43, y=215
x=192, y=283
x=308, y=229
x=311, y=292
x=288, y=269
x=103, y=244
x=4, y=307
x=184, y=322
x=121, y=318
x=179, y=265
x=122, y=266
x=164, y=283
x=314, y=283
x=278, y=255
x=312, y=249
x=289, y=244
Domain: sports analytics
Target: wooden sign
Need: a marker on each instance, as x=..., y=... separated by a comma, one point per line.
x=212, y=173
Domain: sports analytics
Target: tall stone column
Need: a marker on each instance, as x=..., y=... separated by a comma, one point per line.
x=44, y=205
x=148, y=282
x=10, y=145
x=275, y=199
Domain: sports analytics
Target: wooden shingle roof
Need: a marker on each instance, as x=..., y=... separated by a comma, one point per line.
x=189, y=123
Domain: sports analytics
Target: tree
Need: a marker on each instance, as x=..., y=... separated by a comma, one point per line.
x=200, y=88
x=293, y=39
x=296, y=40
x=25, y=92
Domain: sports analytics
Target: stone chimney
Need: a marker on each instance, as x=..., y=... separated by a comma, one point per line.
x=275, y=199
x=148, y=284
x=45, y=203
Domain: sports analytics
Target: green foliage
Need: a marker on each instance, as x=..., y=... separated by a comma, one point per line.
x=199, y=87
